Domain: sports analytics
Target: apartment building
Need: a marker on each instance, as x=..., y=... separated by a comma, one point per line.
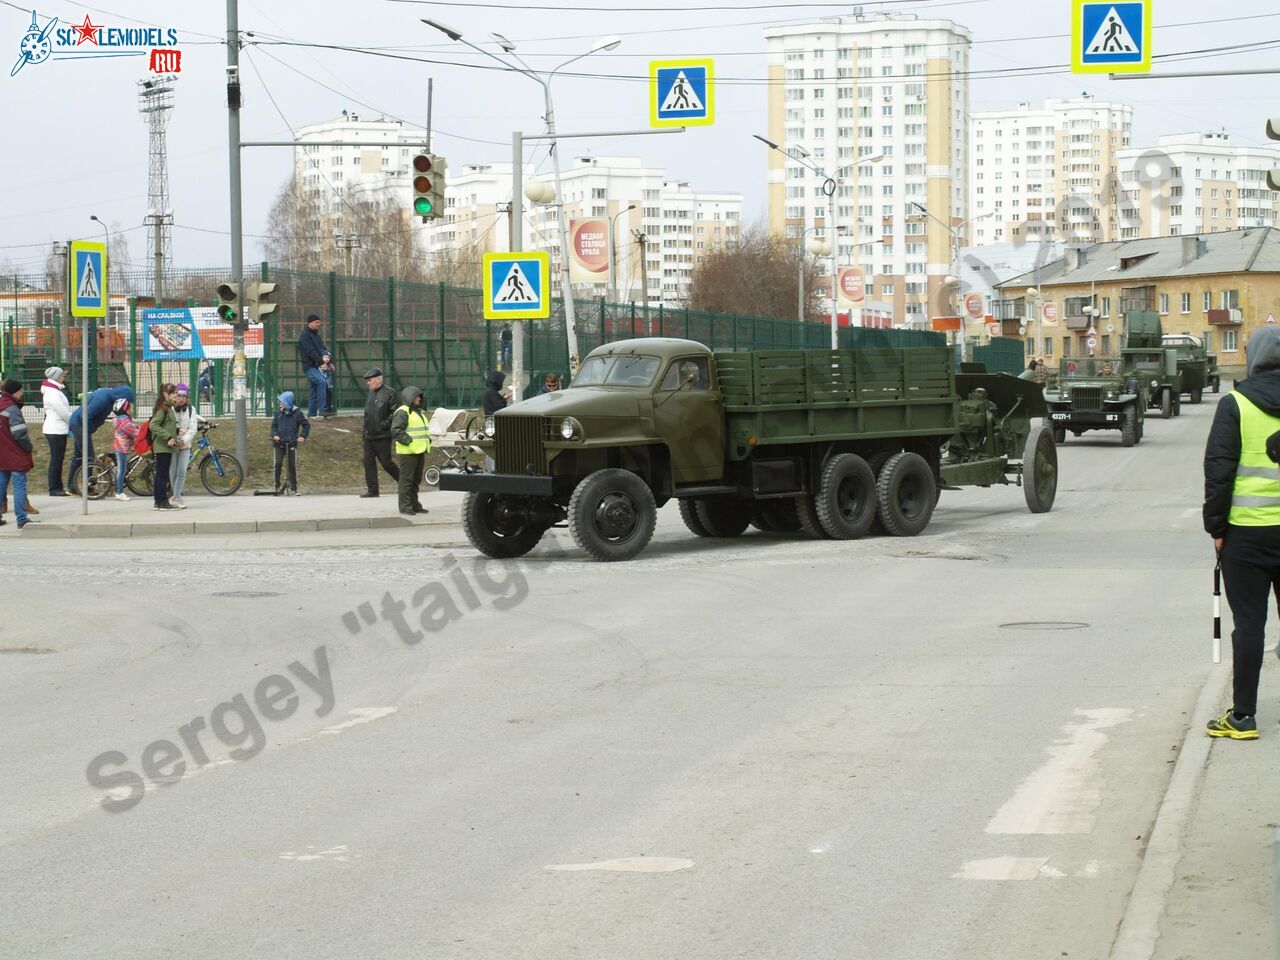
x=845, y=90
x=326, y=174
x=674, y=224
x=1197, y=183
x=1048, y=172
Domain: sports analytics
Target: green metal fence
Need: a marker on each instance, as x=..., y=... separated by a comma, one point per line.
x=428, y=335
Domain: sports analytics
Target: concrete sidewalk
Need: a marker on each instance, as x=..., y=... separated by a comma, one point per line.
x=241, y=513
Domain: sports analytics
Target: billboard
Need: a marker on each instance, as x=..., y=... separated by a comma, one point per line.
x=193, y=333
x=589, y=250
x=851, y=286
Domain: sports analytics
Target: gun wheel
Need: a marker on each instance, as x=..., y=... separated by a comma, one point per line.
x=1040, y=471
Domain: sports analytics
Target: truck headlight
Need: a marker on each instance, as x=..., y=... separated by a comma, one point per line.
x=570, y=429
x=1154, y=384
x=490, y=428
x=1113, y=394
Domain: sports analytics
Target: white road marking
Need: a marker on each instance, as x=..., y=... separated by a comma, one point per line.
x=338, y=853
x=1024, y=868
x=1062, y=795
x=360, y=715
x=631, y=865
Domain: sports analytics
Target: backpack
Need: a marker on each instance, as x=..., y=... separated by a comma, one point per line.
x=142, y=442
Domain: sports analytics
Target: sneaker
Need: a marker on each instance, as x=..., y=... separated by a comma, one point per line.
x=165, y=506
x=26, y=522
x=175, y=503
x=58, y=493
x=363, y=496
x=123, y=497
x=1229, y=725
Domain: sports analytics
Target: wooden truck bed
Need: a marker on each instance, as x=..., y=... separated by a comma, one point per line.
x=802, y=396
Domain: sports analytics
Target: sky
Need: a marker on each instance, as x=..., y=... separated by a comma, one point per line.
x=78, y=146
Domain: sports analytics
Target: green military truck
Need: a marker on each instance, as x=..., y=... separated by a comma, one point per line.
x=1097, y=393
x=829, y=442
x=1155, y=364
x=1199, y=368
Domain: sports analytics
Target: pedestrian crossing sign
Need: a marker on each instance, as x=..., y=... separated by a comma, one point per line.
x=682, y=93
x=517, y=286
x=88, y=268
x=1111, y=37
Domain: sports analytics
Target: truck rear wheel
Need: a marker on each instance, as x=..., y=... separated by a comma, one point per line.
x=783, y=514
x=724, y=517
x=1129, y=425
x=1177, y=404
x=846, y=500
x=1166, y=405
x=612, y=515
x=1217, y=384
x=498, y=526
x=1040, y=471
x=762, y=518
x=689, y=514
x=906, y=493
x=1197, y=395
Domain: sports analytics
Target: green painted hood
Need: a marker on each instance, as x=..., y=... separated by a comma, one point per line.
x=584, y=402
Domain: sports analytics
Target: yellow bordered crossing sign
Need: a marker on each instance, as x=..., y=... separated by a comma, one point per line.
x=1111, y=36
x=682, y=93
x=87, y=265
x=517, y=286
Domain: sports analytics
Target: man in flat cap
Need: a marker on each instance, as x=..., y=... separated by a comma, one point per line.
x=378, y=410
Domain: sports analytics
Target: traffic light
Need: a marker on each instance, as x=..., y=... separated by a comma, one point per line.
x=229, y=302
x=1273, y=133
x=257, y=301
x=428, y=186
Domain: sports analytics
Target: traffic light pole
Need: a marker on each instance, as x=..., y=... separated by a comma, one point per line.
x=238, y=365
x=516, y=244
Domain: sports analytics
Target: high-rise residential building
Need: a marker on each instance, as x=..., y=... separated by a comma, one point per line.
x=848, y=89
x=327, y=174
x=1197, y=183
x=679, y=225
x=1047, y=173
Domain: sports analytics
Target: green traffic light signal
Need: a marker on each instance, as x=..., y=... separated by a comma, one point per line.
x=422, y=207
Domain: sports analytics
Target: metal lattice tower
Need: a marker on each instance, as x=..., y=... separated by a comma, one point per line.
x=155, y=101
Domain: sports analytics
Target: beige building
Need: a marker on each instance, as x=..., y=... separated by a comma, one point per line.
x=1048, y=173
x=1217, y=286
x=847, y=89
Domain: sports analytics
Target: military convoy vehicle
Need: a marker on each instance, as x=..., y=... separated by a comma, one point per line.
x=1097, y=393
x=1199, y=369
x=831, y=442
x=1155, y=364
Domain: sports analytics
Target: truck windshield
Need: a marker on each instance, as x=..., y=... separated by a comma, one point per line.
x=1091, y=367
x=622, y=371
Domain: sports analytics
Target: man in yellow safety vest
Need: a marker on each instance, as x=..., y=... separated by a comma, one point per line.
x=413, y=442
x=1242, y=514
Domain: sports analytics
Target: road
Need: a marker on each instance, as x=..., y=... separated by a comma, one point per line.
x=951, y=746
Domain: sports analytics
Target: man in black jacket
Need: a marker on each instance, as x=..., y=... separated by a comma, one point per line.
x=312, y=352
x=1242, y=514
x=378, y=410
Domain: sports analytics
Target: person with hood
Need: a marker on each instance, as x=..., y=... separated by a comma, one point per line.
x=312, y=352
x=551, y=384
x=99, y=405
x=15, y=449
x=1242, y=515
x=376, y=435
x=57, y=411
x=289, y=427
x=410, y=431
x=495, y=398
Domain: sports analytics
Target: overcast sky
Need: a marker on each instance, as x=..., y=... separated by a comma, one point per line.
x=76, y=144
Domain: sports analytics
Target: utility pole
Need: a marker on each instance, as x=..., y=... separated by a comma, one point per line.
x=239, y=368
x=643, y=240
x=348, y=242
x=515, y=242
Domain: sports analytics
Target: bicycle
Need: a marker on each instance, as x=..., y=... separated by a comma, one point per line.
x=220, y=472
x=102, y=478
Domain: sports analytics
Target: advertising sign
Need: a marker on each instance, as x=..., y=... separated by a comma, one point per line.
x=852, y=287
x=193, y=333
x=1050, y=313
x=589, y=250
x=974, y=305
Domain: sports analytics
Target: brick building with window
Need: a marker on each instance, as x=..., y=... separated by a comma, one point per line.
x=1216, y=286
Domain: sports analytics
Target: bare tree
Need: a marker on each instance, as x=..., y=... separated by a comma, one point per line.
x=118, y=258
x=757, y=276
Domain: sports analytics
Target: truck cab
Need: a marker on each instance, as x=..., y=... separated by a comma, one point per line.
x=1097, y=393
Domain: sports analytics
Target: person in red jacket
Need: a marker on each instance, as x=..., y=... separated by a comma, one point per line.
x=15, y=449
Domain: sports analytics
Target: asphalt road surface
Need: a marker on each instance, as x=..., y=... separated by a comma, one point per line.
x=951, y=746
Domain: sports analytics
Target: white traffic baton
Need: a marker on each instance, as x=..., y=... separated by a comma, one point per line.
x=1217, y=612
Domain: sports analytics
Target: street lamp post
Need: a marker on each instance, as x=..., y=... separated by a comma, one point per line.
x=953, y=280
x=830, y=183
x=566, y=288
x=613, y=253
x=818, y=248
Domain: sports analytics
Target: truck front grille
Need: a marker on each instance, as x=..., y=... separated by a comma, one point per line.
x=1087, y=399
x=518, y=442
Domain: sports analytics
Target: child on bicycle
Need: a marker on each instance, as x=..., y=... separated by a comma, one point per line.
x=289, y=427
x=126, y=433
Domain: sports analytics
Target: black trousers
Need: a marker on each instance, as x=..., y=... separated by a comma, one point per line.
x=1250, y=575
x=160, y=475
x=411, y=467
x=76, y=457
x=287, y=454
x=378, y=452
x=57, y=458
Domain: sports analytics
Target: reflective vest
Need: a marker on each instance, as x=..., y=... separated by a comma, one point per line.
x=416, y=428
x=1255, y=499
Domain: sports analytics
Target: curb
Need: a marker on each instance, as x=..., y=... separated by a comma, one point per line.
x=1140, y=926
x=55, y=531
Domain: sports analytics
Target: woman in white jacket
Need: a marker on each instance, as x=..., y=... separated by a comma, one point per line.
x=57, y=411
x=188, y=421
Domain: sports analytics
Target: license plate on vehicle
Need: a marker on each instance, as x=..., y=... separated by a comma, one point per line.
x=1059, y=416
x=1113, y=418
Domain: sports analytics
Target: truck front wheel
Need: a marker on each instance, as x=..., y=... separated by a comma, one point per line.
x=906, y=494
x=499, y=526
x=846, y=500
x=1129, y=425
x=1166, y=404
x=612, y=515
